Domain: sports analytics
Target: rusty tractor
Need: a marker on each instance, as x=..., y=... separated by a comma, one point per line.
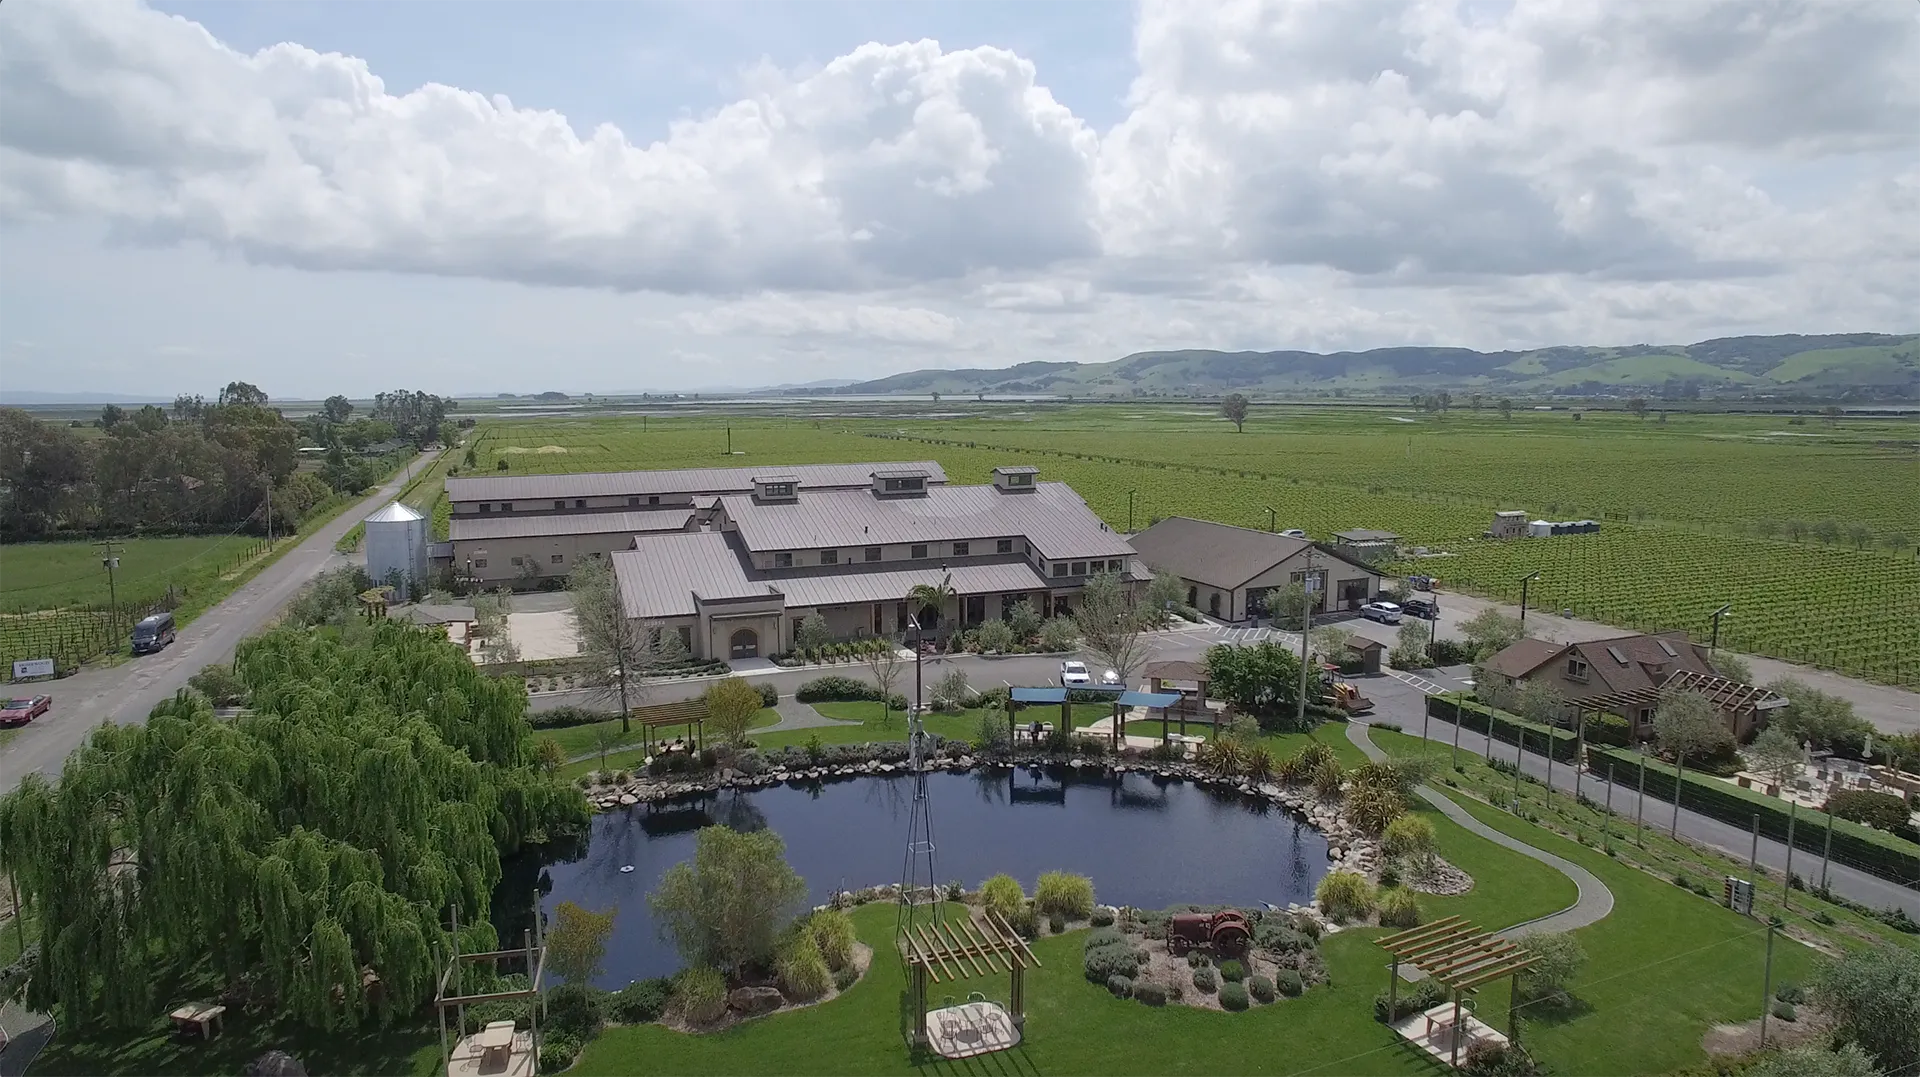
x=1226, y=932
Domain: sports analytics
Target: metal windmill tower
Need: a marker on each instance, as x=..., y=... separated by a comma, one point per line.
x=919, y=886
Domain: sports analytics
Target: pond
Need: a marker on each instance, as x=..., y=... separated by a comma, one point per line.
x=1144, y=841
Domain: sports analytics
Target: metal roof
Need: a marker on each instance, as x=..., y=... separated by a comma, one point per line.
x=1149, y=699
x=663, y=574
x=900, y=473
x=1221, y=554
x=1052, y=518
x=471, y=528
x=1365, y=534
x=1039, y=695
x=706, y=480
x=395, y=513
x=1018, y=469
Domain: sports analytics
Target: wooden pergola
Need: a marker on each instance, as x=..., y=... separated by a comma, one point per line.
x=691, y=713
x=1460, y=957
x=947, y=951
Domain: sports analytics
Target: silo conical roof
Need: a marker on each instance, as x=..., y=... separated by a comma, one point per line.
x=394, y=513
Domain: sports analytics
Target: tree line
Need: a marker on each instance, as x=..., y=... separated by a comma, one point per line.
x=228, y=464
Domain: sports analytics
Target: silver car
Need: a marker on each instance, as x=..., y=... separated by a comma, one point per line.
x=1385, y=612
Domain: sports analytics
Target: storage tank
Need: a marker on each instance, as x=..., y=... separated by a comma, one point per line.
x=1539, y=529
x=397, y=546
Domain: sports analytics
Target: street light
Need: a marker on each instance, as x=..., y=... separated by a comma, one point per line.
x=1717, y=614
x=1524, y=581
x=1272, y=525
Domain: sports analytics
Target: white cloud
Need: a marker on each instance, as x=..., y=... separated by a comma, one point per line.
x=1290, y=173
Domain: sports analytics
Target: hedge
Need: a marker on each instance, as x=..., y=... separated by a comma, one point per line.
x=1500, y=725
x=1870, y=850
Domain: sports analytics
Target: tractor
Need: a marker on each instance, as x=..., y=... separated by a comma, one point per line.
x=1335, y=692
x=1226, y=932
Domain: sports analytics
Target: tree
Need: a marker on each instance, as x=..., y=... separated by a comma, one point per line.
x=732, y=704
x=577, y=941
x=415, y=416
x=1167, y=592
x=1557, y=958
x=1813, y=1060
x=336, y=409
x=1638, y=405
x=1540, y=702
x=1774, y=754
x=1883, y=811
x=1766, y=528
x=1795, y=529
x=1821, y=717
x=605, y=740
x=1262, y=680
x=1732, y=667
x=1686, y=724
x=883, y=664
x=111, y=416
x=1897, y=541
x=812, y=633
x=620, y=651
x=242, y=394
x=1872, y=994
x=931, y=598
x=727, y=906
x=1860, y=535
x=189, y=408
x=1506, y=408
x=1410, y=646
x=1110, y=627
x=1288, y=605
x=1411, y=838
x=1489, y=632
x=1024, y=620
x=1234, y=407
x=1827, y=531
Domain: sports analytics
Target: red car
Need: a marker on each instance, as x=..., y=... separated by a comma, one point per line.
x=22, y=711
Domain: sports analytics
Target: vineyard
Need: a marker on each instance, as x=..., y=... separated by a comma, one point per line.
x=1680, y=508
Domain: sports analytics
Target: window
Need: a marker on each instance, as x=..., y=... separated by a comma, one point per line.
x=579, y=502
x=920, y=550
x=479, y=562
x=654, y=500
x=515, y=561
x=485, y=507
x=960, y=549
x=1079, y=568
x=506, y=506
x=829, y=557
x=871, y=553
x=1003, y=546
x=904, y=486
x=783, y=560
x=1577, y=668
x=1114, y=565
x=1022, y=479
x=686, y=636
x=559, y=505
x=633, y=502
x=1059, y=568
x=778, y=489
x=557, y=559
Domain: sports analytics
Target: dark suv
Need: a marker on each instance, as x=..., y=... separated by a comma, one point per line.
x=152, y=633
x=1424, y=608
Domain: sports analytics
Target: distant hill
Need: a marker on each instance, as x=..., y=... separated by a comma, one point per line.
x=32, y=398
x=1871, y=363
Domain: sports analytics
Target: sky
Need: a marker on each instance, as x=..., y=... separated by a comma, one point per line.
x=610, y=197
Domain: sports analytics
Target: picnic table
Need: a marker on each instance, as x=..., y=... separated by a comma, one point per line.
x=496, y=1046
x=1028, y=732
x=198, y=1018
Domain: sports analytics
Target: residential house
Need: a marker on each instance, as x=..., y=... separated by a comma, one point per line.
x=1625, y=675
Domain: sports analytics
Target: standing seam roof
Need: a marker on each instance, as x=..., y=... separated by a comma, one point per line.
x=471, y=528
x=707, y=480
x=1052, y=518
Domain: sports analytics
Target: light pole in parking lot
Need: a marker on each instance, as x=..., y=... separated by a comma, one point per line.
x=1524, y=581
x=1717, y=614
x=1272, y=519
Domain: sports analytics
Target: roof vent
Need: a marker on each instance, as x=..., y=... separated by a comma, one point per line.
x=1015, y=480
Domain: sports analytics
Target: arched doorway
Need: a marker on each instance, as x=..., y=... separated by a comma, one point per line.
x=745, y=644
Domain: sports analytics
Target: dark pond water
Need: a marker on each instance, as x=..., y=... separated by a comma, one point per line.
x=1143, y=841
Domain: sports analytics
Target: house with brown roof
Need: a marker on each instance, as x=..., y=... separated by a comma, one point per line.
x=1229, y=570
x=763, y=560
x=1625, y=675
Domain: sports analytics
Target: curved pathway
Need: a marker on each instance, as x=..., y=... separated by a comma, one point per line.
x=1594, y=902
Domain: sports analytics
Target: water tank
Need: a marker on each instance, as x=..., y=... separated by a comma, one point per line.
x=1539, y=529
x=397, y=548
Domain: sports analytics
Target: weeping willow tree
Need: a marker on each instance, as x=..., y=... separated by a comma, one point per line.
x=292, y=850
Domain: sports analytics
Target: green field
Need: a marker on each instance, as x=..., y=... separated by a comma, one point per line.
x=1696, y=511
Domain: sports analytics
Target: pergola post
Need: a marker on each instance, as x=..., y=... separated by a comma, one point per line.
x=1393, y=990
x=1513, y=1010
x=919, y=1006
x=1455, y=1036
x=1018, y=997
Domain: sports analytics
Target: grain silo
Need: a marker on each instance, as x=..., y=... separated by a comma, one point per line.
x=397, y=549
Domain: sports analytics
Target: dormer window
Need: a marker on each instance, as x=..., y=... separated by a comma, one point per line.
x=783, y=560
x=779, y=489
x=776, y=487
x=1576, y=668
x=829, y=557
x=960, y=549
x=900, y=482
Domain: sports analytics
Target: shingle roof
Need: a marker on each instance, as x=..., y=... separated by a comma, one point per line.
x=1523, y=657
x=1052, y=518
x=471, y=528
x=1219, y=554
x=662, y=574
x=1640, y=652
x=707, y=480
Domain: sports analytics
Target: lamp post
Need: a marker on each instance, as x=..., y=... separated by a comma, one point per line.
x=1272, y=519
x=1524, y=582
x=913, y=622
x=1717, y=614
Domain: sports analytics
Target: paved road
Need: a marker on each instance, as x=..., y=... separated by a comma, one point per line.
x=127, y=692
x=1402, y=704
x=1593, y=901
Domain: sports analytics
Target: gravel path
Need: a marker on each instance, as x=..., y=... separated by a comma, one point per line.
x=797, y=715
x=1592, y=905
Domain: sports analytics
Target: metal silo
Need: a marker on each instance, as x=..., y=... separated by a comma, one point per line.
x=397, y=547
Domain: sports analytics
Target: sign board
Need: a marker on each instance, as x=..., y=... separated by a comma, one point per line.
x=1313, y=584
x=1738, y=895
x=32, y=667
x=1772, y=704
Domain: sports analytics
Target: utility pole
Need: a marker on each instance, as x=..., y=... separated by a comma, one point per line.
x=269, y=510
x=1456, y=731
x=1525, y=581
x=110, y=560
x=1306, y=628
x=1272, y=520
x=1519, y=749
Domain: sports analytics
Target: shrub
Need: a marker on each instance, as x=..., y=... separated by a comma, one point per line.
x=1557, y=957
x=1150, y=993
x=1412, y=998
x=1289, y=982
x=641, y=1002
x=832, y=933
x=1102, y=917
x=1261, y=988
x=1232, y=971
x=844, y=978
x=1206, y=980
x=801, y=970
x=576, y=1009
x=557, y=1049
x=1791, y=993
x=1025, y=924
x=1058, y=634
x=1108, y=959
x=1278, y=937
x=1059, y=893
x=1410, y=837
x=700, y=995
x=996, y=635
x=835, y=690
x=1389, y=875
x=1882, y=811
x=1056, y=924
x=1198, y=960
x=1121, y=986
x=1175, y=991
x=1233, y=997
x=769, y=695
x=1785, y=1011
x=1345, y=895
x=1398, y=908
x=221, y=686
x=1002, y=894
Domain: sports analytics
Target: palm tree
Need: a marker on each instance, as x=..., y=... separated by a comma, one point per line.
x=932, y=596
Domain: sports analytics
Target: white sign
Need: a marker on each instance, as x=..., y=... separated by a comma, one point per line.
x=32, y=667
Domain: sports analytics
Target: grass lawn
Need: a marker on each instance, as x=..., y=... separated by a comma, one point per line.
x=9, y=733
x=579, y=740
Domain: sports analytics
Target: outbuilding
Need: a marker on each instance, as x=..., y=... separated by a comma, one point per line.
x=1229, y=570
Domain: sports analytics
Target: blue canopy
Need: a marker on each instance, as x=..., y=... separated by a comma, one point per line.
x=1039, y=695
x=1149, y=699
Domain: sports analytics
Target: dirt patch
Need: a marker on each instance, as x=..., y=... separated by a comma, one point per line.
x=542, y=450
x=1733, y=1040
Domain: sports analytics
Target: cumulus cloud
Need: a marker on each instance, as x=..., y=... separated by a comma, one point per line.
x=1301, y=173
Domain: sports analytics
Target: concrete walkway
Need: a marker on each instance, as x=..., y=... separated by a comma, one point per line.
x=797, y=715
x=1594, y=900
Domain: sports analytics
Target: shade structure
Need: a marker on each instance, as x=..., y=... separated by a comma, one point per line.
x=1039, y=695
x=1457, y=955
x=952, y=950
